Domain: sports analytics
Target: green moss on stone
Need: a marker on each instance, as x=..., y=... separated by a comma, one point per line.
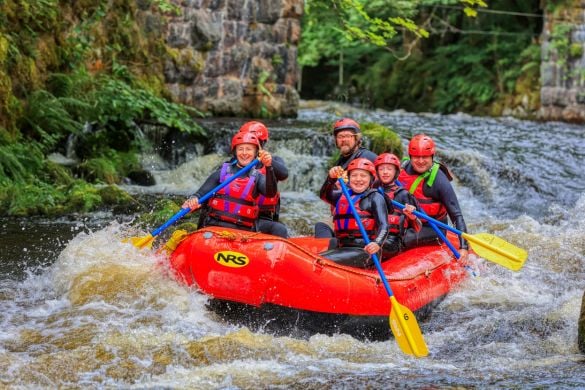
x=162, y=211
x=83, y=197
x=383, y=139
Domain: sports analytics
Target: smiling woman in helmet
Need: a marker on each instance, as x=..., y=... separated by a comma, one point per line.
x=430, y=183
x=235, y=205
x=371, y=207
x=269, y=206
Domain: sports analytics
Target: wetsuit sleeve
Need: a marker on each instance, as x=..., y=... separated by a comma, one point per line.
x=380, y=214
x=280, y=169
x=210, y=183
x=330, y=193
x=265, y=184
x=404, y=197
x=444, y=191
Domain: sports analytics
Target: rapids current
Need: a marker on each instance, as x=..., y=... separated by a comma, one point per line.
x=79, y=308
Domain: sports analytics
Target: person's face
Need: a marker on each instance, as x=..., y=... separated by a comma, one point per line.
x=245, y=153
x=421, y=164
x=359, y=180
x=386, y=173
x=346, y=141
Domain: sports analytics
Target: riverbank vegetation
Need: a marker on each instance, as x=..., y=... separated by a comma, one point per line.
x=462, y=56
x=78, y=80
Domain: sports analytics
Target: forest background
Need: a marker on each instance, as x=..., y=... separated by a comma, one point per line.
x=85, y=69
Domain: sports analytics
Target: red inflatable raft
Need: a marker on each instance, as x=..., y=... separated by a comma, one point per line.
x=260, y=279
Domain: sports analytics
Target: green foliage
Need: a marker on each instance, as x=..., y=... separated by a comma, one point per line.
x=19, y=162
x=162, y=211
x=383, y=139
x=447, y=72
x=47, y=120
x=118, y=102
x=168, y=7
x=100, y=169
x=114, y=196
x=83, y=197
x=25, y=199
x=86, y=69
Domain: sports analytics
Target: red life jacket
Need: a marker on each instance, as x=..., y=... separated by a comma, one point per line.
x=344, y=223
x=234, y=203
x=394, y=217
x=415, y=182
x=267, y=204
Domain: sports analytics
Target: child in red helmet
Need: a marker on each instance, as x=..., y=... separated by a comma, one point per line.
x=388, y=167
x=351, y=248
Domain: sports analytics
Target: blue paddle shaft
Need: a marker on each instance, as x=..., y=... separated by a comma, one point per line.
x=445, y=240
x=365, y=236
x=424, y=216
x=184, y=211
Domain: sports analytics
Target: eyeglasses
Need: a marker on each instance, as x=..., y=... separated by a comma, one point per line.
x=344, y=136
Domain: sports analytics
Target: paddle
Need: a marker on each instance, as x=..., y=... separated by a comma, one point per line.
x=146, y=241
x=402, y=321
x=485, y=245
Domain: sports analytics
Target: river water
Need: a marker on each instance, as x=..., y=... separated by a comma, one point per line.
x=81, y=309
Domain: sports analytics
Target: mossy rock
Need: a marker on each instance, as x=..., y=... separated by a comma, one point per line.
x=58, y=174
x=162, y=211
x=382, y=139
x=34, y=199
x=101, y=169
x=379, y=139
x=83, y=197
x=122, y=201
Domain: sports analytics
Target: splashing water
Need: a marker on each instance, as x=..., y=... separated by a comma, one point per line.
x=100, y=313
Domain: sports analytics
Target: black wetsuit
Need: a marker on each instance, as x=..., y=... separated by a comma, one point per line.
x=443, y=192
x=322, y=230
x=264, y=184
x=268, y=222
x=395, y=241
x=375, y=204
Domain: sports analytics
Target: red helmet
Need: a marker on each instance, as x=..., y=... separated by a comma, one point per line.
x=346, y=124
x=362, y=163
x=387, y=158
x=257, y=128
x=421, y=145
x=244, y=138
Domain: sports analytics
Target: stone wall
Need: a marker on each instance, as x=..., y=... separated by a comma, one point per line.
x=235, y=57
x=563, y=64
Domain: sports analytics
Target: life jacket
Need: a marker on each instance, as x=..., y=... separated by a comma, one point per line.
x=415, y=183
x=345, y=225
x=267, y=205
x=234, y=203
x=394, y=219
x=356, y=154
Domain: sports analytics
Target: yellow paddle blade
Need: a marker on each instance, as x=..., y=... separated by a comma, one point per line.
x=406, y=330
x=497, y=250
x=142, y=242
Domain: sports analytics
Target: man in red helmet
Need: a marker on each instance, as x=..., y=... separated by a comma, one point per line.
x=269, y=206
x=235, y=206
x=349, y=247
x=430, y=183
x=348, y=139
